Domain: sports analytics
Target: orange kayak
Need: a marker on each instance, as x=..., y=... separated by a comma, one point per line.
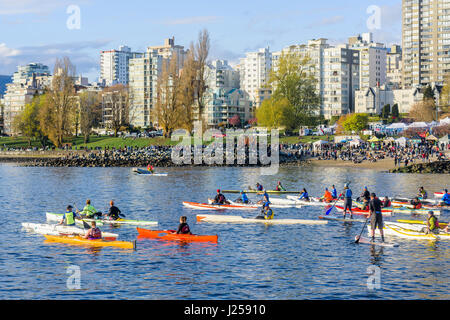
x=170, y=236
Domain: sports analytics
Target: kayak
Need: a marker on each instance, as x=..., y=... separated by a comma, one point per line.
x=238, y=219
x=272, y=204
x=206, y=206
x=426, y=202
x=439, y=194
x=56, y=230
x=414, y=211
x=58, y=217
x=313, y=201
x=392, y=230
x=422, y=223
x=341, y=219
x=359, y=212
x=172, y=236
x=149, y=173
x=92, y=243
x=410, y=206
x=363, y=240
x=262, y=192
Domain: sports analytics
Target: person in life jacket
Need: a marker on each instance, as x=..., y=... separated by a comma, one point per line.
x=259, y=187
x=327, y=197
x=304, y=195
x=279, y=187
x=445, y=201
x=89, y=211
x=220, y=198
x=416, y=203
x=150, y=168
x=267, y=213
x=334, y=193
x=94, y=233
x=387, y=203
x=243, y=198
x=69, y=217
x=422, y=194
x=183, y=228
x=432, y=224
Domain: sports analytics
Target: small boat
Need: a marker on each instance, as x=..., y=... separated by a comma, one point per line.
x=241, y=220
x=443, y=225
x=392, y=230
x=262, y=192
x=313, y=201
x=259, y=206
x=414, y=211
x=410, y=206
x=172, y=236
x=60, y=230
x=91, y=243
x=207, y=206
x=360, y=212
x=439, y=194
x=149, y=173
x=58, y=217
x=341, y=219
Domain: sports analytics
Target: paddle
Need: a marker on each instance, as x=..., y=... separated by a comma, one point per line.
x=85, y=224
x=359, y=238
x=334, y=205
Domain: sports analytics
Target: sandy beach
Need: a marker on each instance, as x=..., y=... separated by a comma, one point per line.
x=380, y=165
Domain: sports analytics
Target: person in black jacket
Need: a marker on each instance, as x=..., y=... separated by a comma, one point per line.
x=376, y=216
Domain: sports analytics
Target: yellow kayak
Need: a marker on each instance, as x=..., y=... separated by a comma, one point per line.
x=442, y=225
x=93, y=243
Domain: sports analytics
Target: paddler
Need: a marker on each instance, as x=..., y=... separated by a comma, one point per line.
x=365, y=198
x=376, y=216
x=327, y=197
x=183, y=228
x=422, y=193
x=304, y=195
x=69, y=217
x=94, y=233
x=220, y=198
x=445, y=201
x=348, y=202
x=279, y=187
x=267, y=213
x=387, y=203
x=114, y=212
x=334, y=193
x=89, y=211
x=416, y=203
x=243, y=198
x=150, y=168
x=432, y=224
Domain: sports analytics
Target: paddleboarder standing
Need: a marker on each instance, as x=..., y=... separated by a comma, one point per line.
x=348, y=201
x=376, y=216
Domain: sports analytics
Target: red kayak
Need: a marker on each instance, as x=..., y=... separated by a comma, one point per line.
x=439, y=194
x=359, y=212
x=170, y=235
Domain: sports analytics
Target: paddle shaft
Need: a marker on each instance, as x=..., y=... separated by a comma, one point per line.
x=334, y=205
x=359, y=238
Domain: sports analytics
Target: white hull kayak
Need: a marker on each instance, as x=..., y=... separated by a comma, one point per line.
x=57, y=217
x=207, y=206
x=341, y=219
x=144, y=172
x=439, y=195
x=415, y=211
x=57, y=230
x=313, y=202
x=273, y=204
x=392, y=230
x=241, y=220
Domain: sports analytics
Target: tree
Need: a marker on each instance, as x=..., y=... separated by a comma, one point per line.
x=445, y=95
x=187, y=91
x=276, y=113
x=353, y=122
x=235, y=121
x=57, y=113
x=116, y=108
x=200, y=52
x=27, y=123
x=386, y=111
x=294, y=80
x=428, y=94
x=89, y=112
x=423, y=111
x=168, y=109
x=395, y=113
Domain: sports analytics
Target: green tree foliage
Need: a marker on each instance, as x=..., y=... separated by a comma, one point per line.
x=275, y=113
x=395, y=113
x=355, y=122
x=294, y=80
x=428, y=94
x=386, y=111
x=27, y=123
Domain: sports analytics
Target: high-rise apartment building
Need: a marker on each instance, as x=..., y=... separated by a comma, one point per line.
x=426, y=41
x=394, y=66
x=114, y=66
x=255, y=71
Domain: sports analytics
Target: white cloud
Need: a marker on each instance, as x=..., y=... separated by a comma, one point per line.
x=6, y=52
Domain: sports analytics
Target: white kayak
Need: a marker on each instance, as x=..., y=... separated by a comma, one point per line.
x=414, y=211
x=393, y=230
x=238, y=219
x=55, y=217
x=61, y=230
x=145, y=172
x=329, y=218
x=276, y=204
x=313, y=201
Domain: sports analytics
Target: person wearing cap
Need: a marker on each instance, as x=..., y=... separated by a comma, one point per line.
x=348, y=201
x=220, y=198
x=432, y=224
x=267, y=213
x=445, y=201
x=69, y=217
x=94, y=233
x=243, y=198
x=279, y=187
x=376, y=216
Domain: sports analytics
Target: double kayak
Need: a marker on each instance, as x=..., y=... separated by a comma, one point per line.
x=207, y=206
x=91, y=243
x=393, y=230
x=360, y=212
x=57, y=230
x=149, y=173
x=262, y=192
x=238, y=219
x=172, y=236
x=421, y=223
x=55, y=217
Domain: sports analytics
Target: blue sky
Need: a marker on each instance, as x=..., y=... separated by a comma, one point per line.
x=36, y=31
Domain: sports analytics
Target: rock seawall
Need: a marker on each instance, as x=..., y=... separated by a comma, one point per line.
x=434, y=167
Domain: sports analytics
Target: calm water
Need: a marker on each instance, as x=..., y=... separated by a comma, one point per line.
x=249, y=262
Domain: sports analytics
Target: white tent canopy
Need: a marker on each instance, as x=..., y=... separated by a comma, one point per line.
x=402, y=141
x=418, y=125
x=319, y=143
x=445, y=121
x=356, y=142
x=397, y=126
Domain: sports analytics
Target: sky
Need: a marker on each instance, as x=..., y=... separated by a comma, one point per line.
x=43, y=30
